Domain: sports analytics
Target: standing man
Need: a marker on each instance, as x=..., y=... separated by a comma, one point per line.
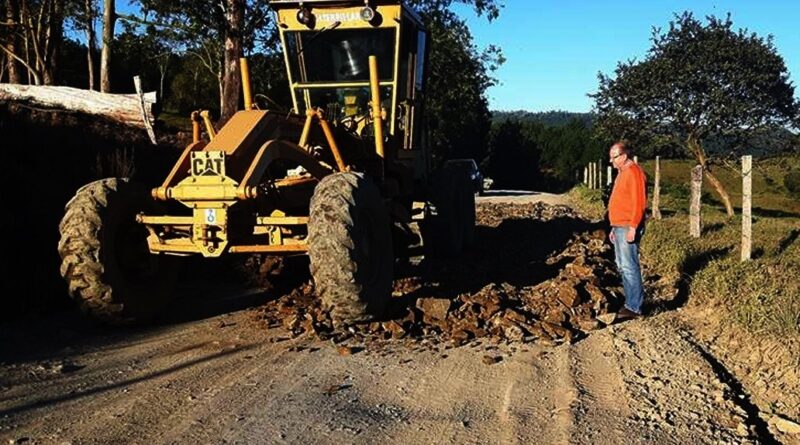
x=626, y=211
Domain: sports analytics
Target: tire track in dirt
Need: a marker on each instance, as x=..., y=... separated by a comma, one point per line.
x=565, y=394
x=244, y=395
x=676, y=397
x=601, y=408
x=523, y=399
x=119, y=393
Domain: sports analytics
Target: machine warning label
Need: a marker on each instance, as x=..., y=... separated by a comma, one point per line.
x=211, y=216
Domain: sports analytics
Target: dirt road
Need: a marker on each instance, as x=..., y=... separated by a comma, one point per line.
x=212, y=373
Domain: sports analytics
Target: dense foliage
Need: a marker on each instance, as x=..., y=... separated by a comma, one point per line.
x=532, y=154
x=699, y=81
x=188, y=51
x=555, y=118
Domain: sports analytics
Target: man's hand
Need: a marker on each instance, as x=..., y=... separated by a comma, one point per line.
x=611, y=236
x=631, y=235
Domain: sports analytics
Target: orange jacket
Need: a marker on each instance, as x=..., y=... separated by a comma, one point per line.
x=628, y=200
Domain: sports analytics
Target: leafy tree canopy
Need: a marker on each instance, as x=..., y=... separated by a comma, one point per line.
x=555, y=118
x=457, y=109
x=698, y=81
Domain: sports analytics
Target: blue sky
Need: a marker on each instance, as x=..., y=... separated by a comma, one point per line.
x=554, y=49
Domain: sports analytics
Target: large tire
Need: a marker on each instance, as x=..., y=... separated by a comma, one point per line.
x=467, y=210
x=350, y=248
x=105, y=260
x=449, y=224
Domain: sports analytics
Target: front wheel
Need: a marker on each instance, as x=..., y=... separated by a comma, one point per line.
x=350, y=247
x=105, y=260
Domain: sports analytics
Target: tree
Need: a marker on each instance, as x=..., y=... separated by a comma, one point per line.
x=221, y=31
x=567, y=148
x=35, y=30
x=11, y=38
x=90, y=10
x=698, y=81
x=459, y=73
x=456, y=105
x=82, y=17
x=513, y=160
x=109, y=21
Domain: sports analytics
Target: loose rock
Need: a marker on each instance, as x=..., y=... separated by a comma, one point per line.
x=579, y=297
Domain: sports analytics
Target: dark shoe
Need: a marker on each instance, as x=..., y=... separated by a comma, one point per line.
x=626, y=314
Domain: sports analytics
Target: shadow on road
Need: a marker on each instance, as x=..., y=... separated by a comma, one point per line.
x=514, y=252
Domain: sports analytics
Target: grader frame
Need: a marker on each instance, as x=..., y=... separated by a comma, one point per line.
x=210, y=178
x=335, y=178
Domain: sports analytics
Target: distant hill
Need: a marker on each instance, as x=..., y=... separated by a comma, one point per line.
x=549, y=118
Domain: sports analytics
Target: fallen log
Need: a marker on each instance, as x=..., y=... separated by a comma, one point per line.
x=128, y=109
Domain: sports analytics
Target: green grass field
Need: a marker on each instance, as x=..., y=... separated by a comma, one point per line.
x=770, y=196
x=762, y=295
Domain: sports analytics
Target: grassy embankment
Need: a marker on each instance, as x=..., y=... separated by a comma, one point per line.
x=762, y=295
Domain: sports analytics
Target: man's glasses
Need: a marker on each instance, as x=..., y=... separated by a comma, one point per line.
x=615, y=157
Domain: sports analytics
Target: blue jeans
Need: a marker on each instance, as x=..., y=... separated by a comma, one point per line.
x=627, y=258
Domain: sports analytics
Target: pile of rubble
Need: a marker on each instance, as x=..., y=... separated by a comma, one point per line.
x=581, y=296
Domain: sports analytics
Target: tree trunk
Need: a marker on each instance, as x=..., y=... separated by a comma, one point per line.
x=231, y=77
x=109, y=20
x=53, y=35
x=12, y=15
x=162, y=68
x=221, y=85
x=700, y=155
x=27, y=59
x=125, y=109
x=90, y=36
x=720, y=191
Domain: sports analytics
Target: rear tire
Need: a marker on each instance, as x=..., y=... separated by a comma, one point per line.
x=350, y=248
x=105, y=260
x=449, y=225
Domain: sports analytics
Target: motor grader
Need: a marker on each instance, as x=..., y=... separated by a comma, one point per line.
x=336, y=178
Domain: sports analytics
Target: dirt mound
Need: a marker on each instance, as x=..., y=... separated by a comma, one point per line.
x=579, y=296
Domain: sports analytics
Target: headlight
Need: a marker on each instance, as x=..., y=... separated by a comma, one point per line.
x=367, y=14
x=304, y=16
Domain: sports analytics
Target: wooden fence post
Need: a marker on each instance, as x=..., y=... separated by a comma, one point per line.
x=747, y=207
x=586, y=176
x=694, y=208
x=600, y=174
x=591, y=175
x=609, y=174
x=657, y=190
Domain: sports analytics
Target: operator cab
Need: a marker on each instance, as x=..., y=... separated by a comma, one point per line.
x=327, y=45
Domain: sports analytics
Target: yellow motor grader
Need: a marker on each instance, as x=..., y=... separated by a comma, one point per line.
x=336, y=177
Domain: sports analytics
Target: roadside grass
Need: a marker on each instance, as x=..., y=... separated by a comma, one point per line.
x=761, y=295
x=770, y=195
x=587, y=201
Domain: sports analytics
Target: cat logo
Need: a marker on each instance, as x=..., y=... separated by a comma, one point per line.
x=208, y=163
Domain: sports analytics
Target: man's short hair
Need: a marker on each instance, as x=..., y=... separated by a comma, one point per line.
x=623, y=146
